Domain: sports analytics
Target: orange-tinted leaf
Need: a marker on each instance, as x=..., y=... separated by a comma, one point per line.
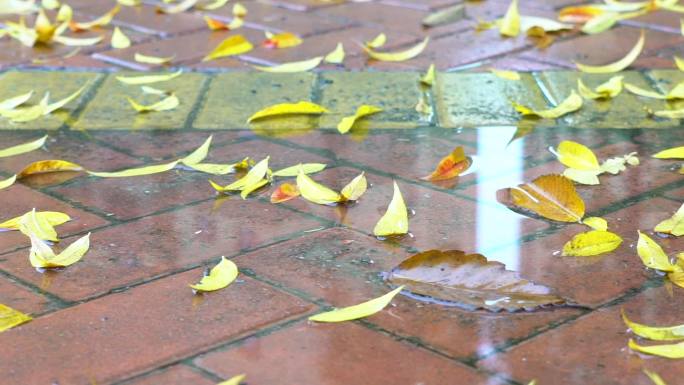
x=450, y=166
x=45, y=166
x=579, y=14
x=215, y=25
x=282, y=40
x=550, y=196
x=284, y=192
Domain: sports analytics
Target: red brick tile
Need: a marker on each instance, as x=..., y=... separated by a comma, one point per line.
x=304, y=5
x=516, y=63
x=136, y=251
x=665, y=21
x=342, y=267
x=122, y=334
x=677, y=194
x=423, y=5
x=384, y=16
x=21, y=199
x=594, y=348
x=22, y=299
x=335, y=354
x=592, y=281
x=602, y=48
x=175, y=375
x=84, y=62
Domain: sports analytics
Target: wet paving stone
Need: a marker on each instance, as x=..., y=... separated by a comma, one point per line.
x=22, y=299
x=174, y=375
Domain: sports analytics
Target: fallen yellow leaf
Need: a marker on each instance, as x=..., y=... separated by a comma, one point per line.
x=450, y=166
x=7, y=182
x=148, y=79
x=679, y=62
x=667, y=333
x=607, y=90
x=239, y=10
x=354, y=189
x=212, y=6
x=596, y=223
x=140, y=58
x=119, y=39
x=216, y=25
x=668, y=351
x=233, y=45
x=348, y=122
x=336, y=56
x=282, y=40
x=429, y=78
x=76, y=42
x=45, y=166
x=220, y=276
x=253, y=177
x=50, y=107
x=316, y=192
x=306, y=168
x=234, y=380
x=652, y=255
x=592, y=243
x=199, y=154
x=377, y=41
x=140, y=171
x=10, y=318
x=178, y=8
x=53, y=218
x=505, y=74
x=577, y=156
x=129, y=3
x=571, y=104
x=671, y=153
x=168, y=103
x=297, y=66
x=600, y=23
x=398, y=56
x=618, y=65
x=510, y=24
x=674, y=225
x=16, y=101
x=395, y=220
x=23, y=148
x=99, y=22
x=657, y=380
x=551, y=196
x=38, y=226
x=303, y=108
x=284, y=192
x=361, y=310
x=42, y=256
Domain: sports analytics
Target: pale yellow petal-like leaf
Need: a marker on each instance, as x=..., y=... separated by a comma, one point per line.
x=608, y=89
x=673, y=351
x=216, y=4
x=591, y=243
x=213, y=168
x=234, y=380
x=16, y=101
x=671, y=153
x=4, y=183
x=655, y=377
x=119, y=39
x=129, y=3
x=38, y=226
x=254, y=176
x=570, y=104
x=10, y=318
x=548, y=25
x=655, y=333
x=596, y=223
x=679, y=62
x=645, y=93
x=50, y=4
x=316, y=192
x=505, y=74
x=24, y=114
x=304, y=108
x=586, y=177
x=140, y=58
x=672, y=114
x=398, y=56
x=53, y=218
x=510, y=24
x=199, y=154
x=306, y=168
x=600, y=23
x=77, y=42
x=336, y=56
x=297, y=66
x=49, y=108
x=168, y=103
x=576, y=155
x=232, y=45
x=98, y=22
x=239, y=10
x=361, y=310
x=652, y=255
x=674, y=225
x=220, y=276
x=153, y=91
x=444, y=16
x=23, y=148
x=377, y=41
x=253, y=187
x=140, y=171
x=148, y=79
x=429, y=78
x=618, y=65
x=395, y=220
x=354, y=189
x=41, y=258
x=178, y=7
x=348, y=122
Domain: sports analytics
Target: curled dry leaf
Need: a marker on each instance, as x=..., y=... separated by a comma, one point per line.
x=168, y=103
x=45, y=166
x=673, y=225
x=618, y=65
x=300, y=108
x=673, y=351
x=220, y=276
x=450, y=166
x=550, y=196
x=592, y=243
x=398, y=56
x=469, y=281
x=336, y=56
x=232, y=45
x=239, y=10
x=571, y=104
x=655, y=333
x=212, y=6
x=10, y=318
x=284, y=192
x=23, y=148
x=15, y=101
x=148, y=79
x=395, y=220
x=348, y=122
x=361, y=310
x=653, y=256
x=139, y=171
x=199, y=154
x=297, y=66
x=677, y=92
x=42, y=256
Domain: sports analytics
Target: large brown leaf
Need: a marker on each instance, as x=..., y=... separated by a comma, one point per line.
x=469, y=281
x=551, y=196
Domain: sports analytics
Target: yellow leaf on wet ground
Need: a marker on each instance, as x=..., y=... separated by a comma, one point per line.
x=571, y=104
x=600, y=23
x=398, y=56
x=296, y=66
x=148, y=79
x=4, y=183
x=50, y=107
x=139, y=171
x=606, y=90
x=119, y=39
x=255, y=176
x=377, y=41
x=652, y=255
x=99, y=22
x=657, y=380
x=354, y=189
x=316, y=192
x=306, y=168
x=300, y=108
x=31, y=224
x=129, y=3
x=674, y=225
x=239, y=10
x=199, y=154
x=596, y=223
x=45, y=166
x=672, y=351
x=216, y=25
x=679, y=62
x=168, y=103
x=510, y=24
x=282, y=40
x=76, y=42
x=233, y=45
x=428, y=78
x=395, y=220
x=671, y=153
x=361, y=310
x=348, y=122
x=16, y=101
x=53, y=218
x=220, y=276
x=450, y=166
x=444, y=16
x=336, y=56
x=140, y=58
x=505, y=74
x=10, y=318
x=42, y=256
x=212, y=6
x=578, y=157
x=618, y=65
x=284, y=192
x=23, y=148
x=592, y=243
x=234, y=380
x=550, y=196
x=178, y=7
x=655, y=333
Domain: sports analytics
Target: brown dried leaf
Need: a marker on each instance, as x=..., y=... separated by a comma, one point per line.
x=550, y=196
